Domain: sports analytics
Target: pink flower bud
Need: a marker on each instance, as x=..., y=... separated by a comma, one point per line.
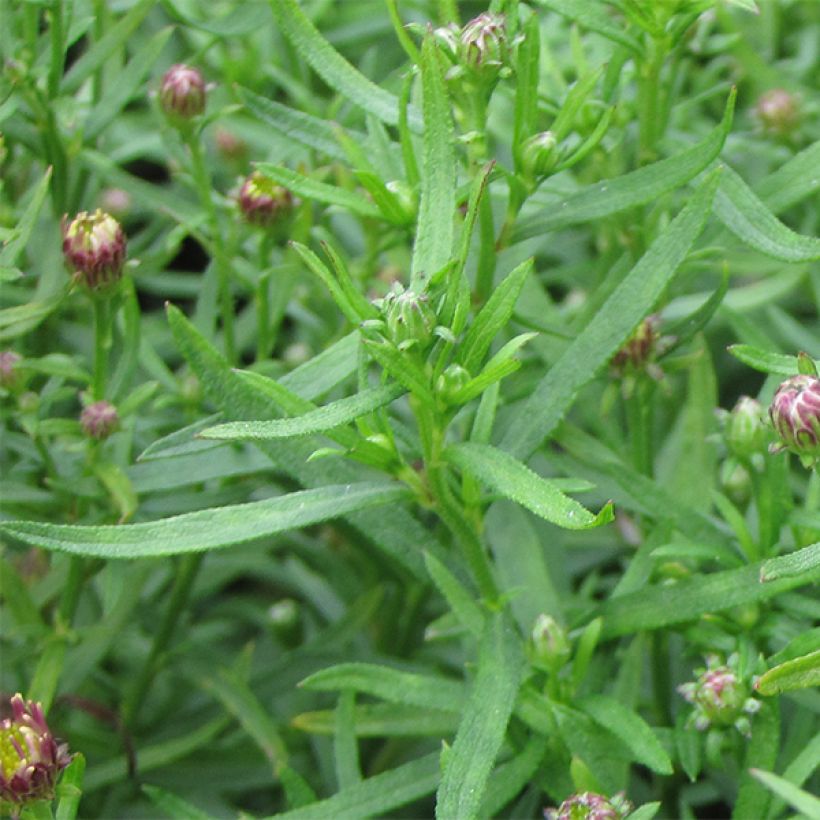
x=590, y=806
x=9, y=375
x=30, y=758
x=94, y=247
x=795, y=414
x=778, y=112
x=182, y=94
x=262, y=201
x=483, y=42
x=99, y=420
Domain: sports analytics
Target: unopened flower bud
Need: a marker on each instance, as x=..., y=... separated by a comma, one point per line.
x=182, y=94
x=795, y=414
x=778, y=112
x=451, y=381
x=550, y=643
x=409, y=317
x=262, y=201
x=9, y=374
x=639, y=348
x=30, y=758
x=745, y=431
x=99, y=419
x=590, y=806
x=94, y=248
x=483, y=43
x=719, y=695
x=539, y=154
x=116, y=201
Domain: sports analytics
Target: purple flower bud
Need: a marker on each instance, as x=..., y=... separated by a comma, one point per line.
x=262, y=201
x=590, y=806
x=778, y=112
x=99, y=420
x=30, y=757
x=795, y=414
x=94, y=248
x=182, y=94
x=483, y=43
x=9, y=375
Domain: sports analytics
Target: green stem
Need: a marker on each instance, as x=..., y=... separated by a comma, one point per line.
x=202, y=181
x=639, y=420
x=650, y=95
x=55, y=70
x=102, y=344
x=183, y=582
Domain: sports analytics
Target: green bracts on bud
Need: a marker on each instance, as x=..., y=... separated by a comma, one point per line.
x=409, y=318
x=539, y=155
x=550, y=643
x=745, y=431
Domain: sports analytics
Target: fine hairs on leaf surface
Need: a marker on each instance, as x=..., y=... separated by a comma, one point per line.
x=409, y=409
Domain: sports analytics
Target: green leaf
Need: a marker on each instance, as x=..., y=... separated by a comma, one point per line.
x=402, y=369
x=740, y=210
x=205, y=529
x=654, y=607
x=509, y=779
x=337, y=72
x=512, y=479
x=173, y=806
x=631, y=301
x=383, y=720
x=13, y=246
x=319, y=191
x=115, y=37
x=792, y=182
x=593, y=16
x=802, y=801
x=764, y=360
x=332, y=415
x=409, y=688
x=435, y=229
x=635, y=188
x=376, y=796
x=803, y=563
x=761, y=752
x=464, y=607
x=70, y=788
x=130, y=82
x=798, y=673
x=630, y=728
x=483, y=724
x=493, y=317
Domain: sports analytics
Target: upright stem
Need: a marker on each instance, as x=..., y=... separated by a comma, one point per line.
x=55, y=70
x=650, y=94
x=202, y=181
x=102, y=344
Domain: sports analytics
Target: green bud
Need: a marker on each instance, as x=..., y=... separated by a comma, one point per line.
x=745, y=431
x=451, y=381
x=409, y=318
x=482, y=46
x=551, y=645
x=539, y=155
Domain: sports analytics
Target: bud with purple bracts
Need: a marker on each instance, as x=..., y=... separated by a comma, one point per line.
x=30, y=758
x=99, y=420
x=483, y=43
x=590, y=806
x=262, y=201
x=778, y=112
x=94, y=248
x=9, y=374
x=182, y=94
x=795, y=414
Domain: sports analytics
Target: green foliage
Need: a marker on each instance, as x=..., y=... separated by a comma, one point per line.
x=417, y=502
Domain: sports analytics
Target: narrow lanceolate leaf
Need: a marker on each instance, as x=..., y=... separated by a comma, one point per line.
x=468, y=764
x=630, y=728
x=324, y=418
x=798, y=673
x=804, y=562
x=635, y=188
x=377, y=796
x=764, y=360
x=792, y=182
x=13, y=246
x=319, y=191
x=492, y=317
x=633, y=299
x=654, y=607
x=740, y=210
x=512, y=479
x=204, y=529
x=434, y=232
x=297, y=125
x=337, y=72
x=461, y=602
x=173, y=806
x=393, y=685
x=801, y=801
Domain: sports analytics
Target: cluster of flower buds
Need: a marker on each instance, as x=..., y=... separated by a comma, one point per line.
x=182, y=93
x=795, y=415
x=408, y=317
x=720, y=696
x=30, y=758
x=263, y=202
x=591, y=806
x=778, y=112
x=94, y=248
x=480, y=49
x=99, y=420
x=744, y=428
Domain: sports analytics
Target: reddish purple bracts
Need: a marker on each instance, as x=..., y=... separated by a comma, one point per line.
x=262, y=201
x=99, y=420
x=94, y=248
x=778, y=112
x=30, y=758
x=182, y=94
x=590, y=806
x=9, y=375
x=795, y=414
